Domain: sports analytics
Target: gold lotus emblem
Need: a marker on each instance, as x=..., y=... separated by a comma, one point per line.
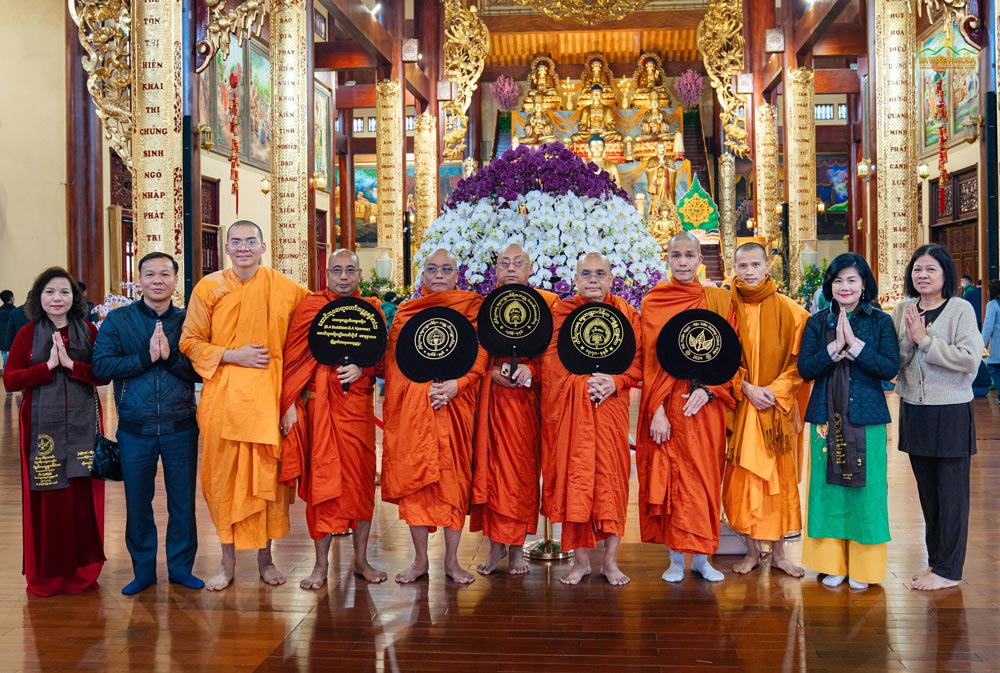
x=700, y=341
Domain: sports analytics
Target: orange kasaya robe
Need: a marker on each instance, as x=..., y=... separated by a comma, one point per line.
x=238, y=414
x=680, y=480
x=507, y=444
x=330, y=451
x=760, y=488
x=585, y=446
x=427, y=454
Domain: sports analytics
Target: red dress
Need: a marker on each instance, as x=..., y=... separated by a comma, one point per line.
x=63, y=529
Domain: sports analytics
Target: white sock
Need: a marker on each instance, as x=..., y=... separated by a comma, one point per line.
x=857, y=585
x=675, y=573
x=701, y=566
x=834, y=580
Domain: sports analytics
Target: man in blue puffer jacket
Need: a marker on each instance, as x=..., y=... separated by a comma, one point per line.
x=154, y=392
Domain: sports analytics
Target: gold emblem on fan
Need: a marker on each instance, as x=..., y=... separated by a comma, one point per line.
x=515, y=315
x=436, y=339
x=596, y=333
x=699, y=341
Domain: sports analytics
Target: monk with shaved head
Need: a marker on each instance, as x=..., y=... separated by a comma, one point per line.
x=329, y=446
x=585, y=445
x=507, y=442
x=427, y=442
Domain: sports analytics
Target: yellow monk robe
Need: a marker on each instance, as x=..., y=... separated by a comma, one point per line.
x=330, y=451
x=585, y=446
x=238, y=414
x=680, y=480
x=506, y=463
x=427, y=454
x=760, y=489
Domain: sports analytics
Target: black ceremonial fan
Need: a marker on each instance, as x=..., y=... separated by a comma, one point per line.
x=699, y=345
x=596, y=337
x=437, y=344
x=514, y=321
x=347, y=331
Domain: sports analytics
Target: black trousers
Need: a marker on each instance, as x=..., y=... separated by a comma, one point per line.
x=943, y=486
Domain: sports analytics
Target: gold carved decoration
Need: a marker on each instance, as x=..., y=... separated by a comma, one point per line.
x=425, y=177
x=245, y=19
x=727, y=210
x=896, y=181
x=586, y=12
x=389, y=138
x=800, y=169
x=290, y=160
x=105, y=28
x=955, y=11
x=720, y=41
x=467, y=42
x=766, y=174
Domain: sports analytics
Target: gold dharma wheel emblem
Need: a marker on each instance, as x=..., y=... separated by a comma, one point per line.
x=597, y=332
x=436, y=339
x=700, y=341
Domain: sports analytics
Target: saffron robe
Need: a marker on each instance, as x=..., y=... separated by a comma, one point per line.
x=680, y=480
x=760, y=488
x=427, y=453
x=238, y=414
x=585, y=446
x=508, y=437
x=330, y=451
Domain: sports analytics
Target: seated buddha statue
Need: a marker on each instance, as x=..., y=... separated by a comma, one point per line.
x=543, y=83
x=654, y=124
x=649, y=77
x=539, y=127
x=595, y=153
x=597, y=72
x=660, y=177
x=596, y=119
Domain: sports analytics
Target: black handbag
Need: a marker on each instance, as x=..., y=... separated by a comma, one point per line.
x=107, y=462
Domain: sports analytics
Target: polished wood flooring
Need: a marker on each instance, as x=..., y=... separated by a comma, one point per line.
x=763, y=622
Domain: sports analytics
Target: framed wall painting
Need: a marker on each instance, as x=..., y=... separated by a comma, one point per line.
x=258, y=117
x=224, y=68
x=930, y=45
x=322, y=115
x=965, y=91
x=319, y=25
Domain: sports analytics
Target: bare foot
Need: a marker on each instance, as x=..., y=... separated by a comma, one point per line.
x=786, y=566
x=516, y=563
x=614, y=574
x=580, y=569
x=413, y=573
x=747, y=563
x=497, y=552
x=370, y=573
x=457, y=573
x=221, y=581
x=316, y=580
x=933, y=582
x=271, y=575
x=925, y=571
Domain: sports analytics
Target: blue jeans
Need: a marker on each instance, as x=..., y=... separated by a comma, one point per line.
x=140, y=455
x=995, y=375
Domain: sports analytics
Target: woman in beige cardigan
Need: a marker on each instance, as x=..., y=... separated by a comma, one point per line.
x=939, y=353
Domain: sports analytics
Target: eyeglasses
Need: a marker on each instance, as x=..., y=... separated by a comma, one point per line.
x=517, y=264
x=237, y=244
x=434, y=270
x=343, y=270
x=600, y=274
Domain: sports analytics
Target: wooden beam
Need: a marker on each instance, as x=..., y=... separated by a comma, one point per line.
x=417, y=83
x=534, y=23
x=343, y=56
x=814, y=23
x=363, y=95
x=837, y=81
x=358, y=22
x=770, y=76
x=842, y=40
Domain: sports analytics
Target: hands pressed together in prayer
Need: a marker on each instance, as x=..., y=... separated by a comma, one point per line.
x=159, y=348
x=916, y=328
x=442, y=392
x=845, y=335
x=600, y=387
x=254, y=356
x=521, y=378
x=58, y=355
x=761, y=397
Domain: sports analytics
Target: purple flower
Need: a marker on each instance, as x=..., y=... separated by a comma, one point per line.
x=562, y=288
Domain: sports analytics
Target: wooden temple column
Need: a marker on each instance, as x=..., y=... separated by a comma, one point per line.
x=84, y=174
x=345, y=166
x=192, y=149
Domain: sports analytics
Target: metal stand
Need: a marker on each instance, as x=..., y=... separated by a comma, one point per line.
x=546, y=549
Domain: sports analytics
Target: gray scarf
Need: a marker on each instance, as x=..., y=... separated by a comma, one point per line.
x=63, y=413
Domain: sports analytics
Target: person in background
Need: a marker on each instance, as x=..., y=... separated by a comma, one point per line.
x=940, y=350
x=92, y=315
x=991, y=334
x=6, y=306
x=389, y=307
x=62, y=505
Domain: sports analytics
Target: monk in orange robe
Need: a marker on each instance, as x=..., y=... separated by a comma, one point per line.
x=760, y=489
x=234, y=335
x=507, y=442
x=329, y=445
x=681, y=441
x=585, y=445
x=427, y=441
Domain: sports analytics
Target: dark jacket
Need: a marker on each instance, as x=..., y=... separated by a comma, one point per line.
x=5, y=339
x=877, y=362
x=16, y=319
x=152, y=398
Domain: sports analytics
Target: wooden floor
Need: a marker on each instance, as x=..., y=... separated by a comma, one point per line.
x=763, y=622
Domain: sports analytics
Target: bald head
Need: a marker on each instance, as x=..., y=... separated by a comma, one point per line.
x=440, y=271
x=343, y=272
x=684, y=237
x=593, y=276
x=513, y=265
x=750, y=263
x=684, y=257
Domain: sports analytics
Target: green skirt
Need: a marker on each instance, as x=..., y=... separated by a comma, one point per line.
x=859, y=514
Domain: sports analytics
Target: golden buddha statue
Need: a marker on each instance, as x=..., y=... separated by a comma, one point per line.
x=654, y=124
x=649, y=77
x=595, y=153
x=663, y=220
x=597, y=118
x=539, y=127
x=596, y=71
x=544, y=84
